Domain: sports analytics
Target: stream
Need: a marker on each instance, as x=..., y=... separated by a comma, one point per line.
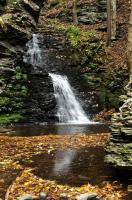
x=57, y=128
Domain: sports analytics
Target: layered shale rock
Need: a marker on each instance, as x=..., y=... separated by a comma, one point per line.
x=119, y=147
x=89, y=12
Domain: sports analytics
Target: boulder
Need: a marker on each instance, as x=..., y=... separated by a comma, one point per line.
x=43, y=196
x=64, y=196
x=88, y=196
x=32, y=5
x=28, y=197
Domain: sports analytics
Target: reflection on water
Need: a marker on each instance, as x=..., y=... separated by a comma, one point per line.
x=73, y=166
x=34, y=130
x=63, y=161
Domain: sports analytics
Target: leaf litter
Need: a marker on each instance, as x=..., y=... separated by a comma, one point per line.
x=13, y=150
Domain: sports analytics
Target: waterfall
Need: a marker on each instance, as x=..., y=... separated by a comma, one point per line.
x=69, y=109
x=33, y=54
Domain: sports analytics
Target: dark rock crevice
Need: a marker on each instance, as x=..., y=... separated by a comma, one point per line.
x=40, y=106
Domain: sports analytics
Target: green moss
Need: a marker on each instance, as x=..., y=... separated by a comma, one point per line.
x=13, y=96
x=77, y=36
x=16, y=90
x=10, y=118
x=14, y=2
x=3, y=102
x=92, y=80
x=88, y=48
x=107, y=98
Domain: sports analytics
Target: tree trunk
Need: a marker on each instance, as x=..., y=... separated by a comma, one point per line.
x=113, y=19
x=108, y=22
x=75, y=19
x=129, y=45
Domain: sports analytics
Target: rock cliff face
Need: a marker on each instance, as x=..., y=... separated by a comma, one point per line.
x=17, y=22
x=41, y=103
x=89, y=12
x=119, y=147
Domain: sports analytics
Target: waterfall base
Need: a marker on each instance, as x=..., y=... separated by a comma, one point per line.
x=69, y=110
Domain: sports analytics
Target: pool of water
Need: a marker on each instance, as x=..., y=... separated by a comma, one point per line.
x=73, y=166
x=63, y=129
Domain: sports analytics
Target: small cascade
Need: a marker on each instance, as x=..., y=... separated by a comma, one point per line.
x=69, y=109
x=33, y=54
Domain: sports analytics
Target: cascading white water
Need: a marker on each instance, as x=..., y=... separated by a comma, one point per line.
x=69, y=109
x=33, y=54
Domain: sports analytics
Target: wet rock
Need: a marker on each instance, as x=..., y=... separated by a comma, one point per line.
x=88, y=196
x=52, y=2
x=64, y=196
x=40, y=109
x=92, y=17
x=3, y=2
x=14, y=32
x=5, y=63
x=2, y=5
x=28, y=197
x=88, y=13
x=129, y=188
x=43, y=196
x=123, y=98
x=126, y=130
x=32, y=5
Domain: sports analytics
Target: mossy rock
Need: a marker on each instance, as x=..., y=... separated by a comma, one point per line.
x=13, y=96
x=10, y=118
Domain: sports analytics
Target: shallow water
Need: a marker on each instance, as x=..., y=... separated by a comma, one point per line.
x=63, y=129
x=73, y=166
